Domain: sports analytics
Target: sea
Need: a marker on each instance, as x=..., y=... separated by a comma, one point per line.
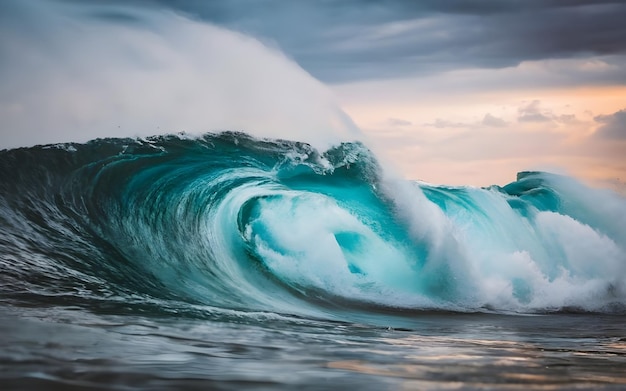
x=230, y=262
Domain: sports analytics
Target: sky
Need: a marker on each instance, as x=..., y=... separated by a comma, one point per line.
x=457, y=92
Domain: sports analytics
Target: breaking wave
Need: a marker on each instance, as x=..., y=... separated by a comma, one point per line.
x=232, y=222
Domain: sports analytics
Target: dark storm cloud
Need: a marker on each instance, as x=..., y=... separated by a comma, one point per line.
x=614, y=125
x=347, y=40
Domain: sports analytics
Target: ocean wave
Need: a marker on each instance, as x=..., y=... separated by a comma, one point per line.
x=236, y=223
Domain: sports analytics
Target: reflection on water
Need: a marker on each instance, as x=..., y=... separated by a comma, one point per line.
x=77, y=350
x=452, y=362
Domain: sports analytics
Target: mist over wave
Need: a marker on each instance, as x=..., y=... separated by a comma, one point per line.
x=75, y=71
x=238, y=223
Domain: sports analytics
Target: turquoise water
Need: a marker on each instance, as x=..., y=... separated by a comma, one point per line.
x=231, y=262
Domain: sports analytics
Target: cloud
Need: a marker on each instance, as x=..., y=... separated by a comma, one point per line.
x=443, y=124
x=532, y=112
x=342, y=41
x=398, y=122
x=488, y=121
x=495, y=122
x=567, y=119
x=613, y=126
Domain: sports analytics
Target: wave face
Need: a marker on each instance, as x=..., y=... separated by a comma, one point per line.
x=235, y=223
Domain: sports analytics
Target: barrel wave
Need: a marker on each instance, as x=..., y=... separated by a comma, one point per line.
x=231, y=224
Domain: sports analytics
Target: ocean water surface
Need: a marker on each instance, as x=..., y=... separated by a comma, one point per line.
x=231, y=262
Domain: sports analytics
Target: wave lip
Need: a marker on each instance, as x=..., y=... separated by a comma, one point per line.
x=238, y=223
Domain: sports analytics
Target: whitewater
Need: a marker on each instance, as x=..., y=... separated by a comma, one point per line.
x=268, y=246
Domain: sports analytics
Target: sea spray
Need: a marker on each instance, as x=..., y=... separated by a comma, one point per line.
x=74, y=72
